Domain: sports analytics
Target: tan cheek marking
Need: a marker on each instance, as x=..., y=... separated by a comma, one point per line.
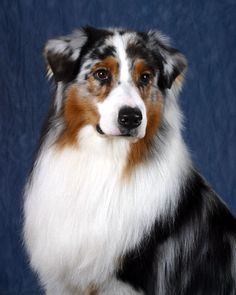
x=94, y=87
x=139, y=151
x=78, y=112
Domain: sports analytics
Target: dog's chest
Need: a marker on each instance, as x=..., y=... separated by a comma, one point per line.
x=81, y=217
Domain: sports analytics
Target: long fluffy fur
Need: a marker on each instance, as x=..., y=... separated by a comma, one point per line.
x=90, y=226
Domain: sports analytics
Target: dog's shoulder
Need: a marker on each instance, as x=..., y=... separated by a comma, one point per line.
x=197, y=246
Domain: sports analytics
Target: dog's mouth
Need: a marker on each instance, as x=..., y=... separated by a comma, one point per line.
x=99, y=130
x=125, y=133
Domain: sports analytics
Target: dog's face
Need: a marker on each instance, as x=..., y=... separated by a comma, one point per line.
x=114, y=80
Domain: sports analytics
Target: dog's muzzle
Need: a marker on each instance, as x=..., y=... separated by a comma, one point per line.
x=127, y=122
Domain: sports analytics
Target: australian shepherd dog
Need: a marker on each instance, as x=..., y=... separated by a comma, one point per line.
x=114, y=204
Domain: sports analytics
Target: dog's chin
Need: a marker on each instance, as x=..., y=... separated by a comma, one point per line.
x=129, y=134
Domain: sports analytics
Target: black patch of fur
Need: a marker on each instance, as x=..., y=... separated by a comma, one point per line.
x=63, y=68
x=94, y=36
x=138, y=50
x=101, y=54
x=198, y=239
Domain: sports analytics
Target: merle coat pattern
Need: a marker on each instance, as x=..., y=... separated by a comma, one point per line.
x=115, y=206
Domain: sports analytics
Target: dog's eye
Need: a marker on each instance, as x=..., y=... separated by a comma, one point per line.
x=145, y=78
x=102, y=75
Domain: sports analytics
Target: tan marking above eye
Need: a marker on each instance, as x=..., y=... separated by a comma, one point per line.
x=140, y=69
x=101, y=90
x=109, y=64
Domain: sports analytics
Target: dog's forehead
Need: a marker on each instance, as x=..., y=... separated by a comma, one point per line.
x=124, y=46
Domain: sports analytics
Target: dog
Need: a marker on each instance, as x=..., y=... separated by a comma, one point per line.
x=114, y=204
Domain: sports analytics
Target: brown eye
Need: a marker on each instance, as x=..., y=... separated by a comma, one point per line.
x=145, y=78
x=102, y=75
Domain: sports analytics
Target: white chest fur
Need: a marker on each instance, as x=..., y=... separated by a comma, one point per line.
x=80, y=216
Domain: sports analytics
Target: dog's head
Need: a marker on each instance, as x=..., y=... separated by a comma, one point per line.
x=114, y=80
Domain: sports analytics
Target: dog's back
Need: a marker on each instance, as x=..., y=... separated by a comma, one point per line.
x=113, y=204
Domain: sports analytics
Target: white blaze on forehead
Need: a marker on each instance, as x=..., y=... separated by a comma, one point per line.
x=120, y=43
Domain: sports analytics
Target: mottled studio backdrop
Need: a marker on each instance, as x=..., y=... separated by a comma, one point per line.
x=205, y=30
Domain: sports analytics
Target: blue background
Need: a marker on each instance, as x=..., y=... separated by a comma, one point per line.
x=203, y=30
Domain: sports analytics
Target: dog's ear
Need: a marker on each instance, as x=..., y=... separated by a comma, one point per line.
x=173, y=64
x=174, y=68
x=62, y=56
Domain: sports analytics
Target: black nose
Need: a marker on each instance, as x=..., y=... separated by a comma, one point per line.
x=129, y=118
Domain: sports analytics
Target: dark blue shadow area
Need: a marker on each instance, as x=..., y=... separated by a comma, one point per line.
x=203, y=30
